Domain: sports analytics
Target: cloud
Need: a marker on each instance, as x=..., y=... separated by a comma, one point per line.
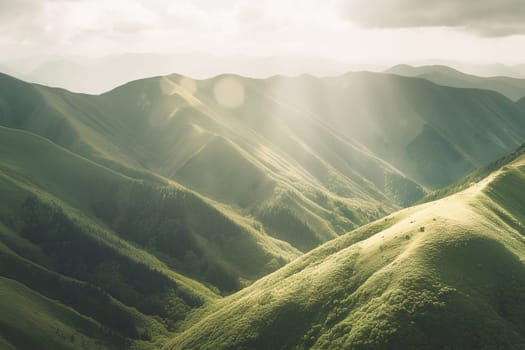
x=492, y=18
x=335, y=28
x=16, y=8
x=52, y=24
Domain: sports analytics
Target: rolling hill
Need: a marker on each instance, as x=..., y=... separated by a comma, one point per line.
x=445, y=274
x=512, y=88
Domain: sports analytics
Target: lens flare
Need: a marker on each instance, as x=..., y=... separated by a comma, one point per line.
x=229, y=92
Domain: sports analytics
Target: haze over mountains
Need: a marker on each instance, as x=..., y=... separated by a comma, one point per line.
x=512, y=88
x=100, y=74
x=97, y=75
x=127, y=217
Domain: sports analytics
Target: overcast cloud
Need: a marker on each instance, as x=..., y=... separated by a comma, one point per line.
x=485, y=17
x=366, y=31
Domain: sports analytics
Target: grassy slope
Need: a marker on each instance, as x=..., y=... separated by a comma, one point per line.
x=445, y=274
x=101, y=194
x=97, y=241
x=512, y=88
x=31, y=321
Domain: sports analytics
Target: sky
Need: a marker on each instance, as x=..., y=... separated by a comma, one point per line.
x=358, y=31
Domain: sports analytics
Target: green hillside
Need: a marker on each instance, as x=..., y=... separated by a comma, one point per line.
x=448, y=274
x=117, y=250
x=267, y=172
x=309, y=155
x=433, y=134
x=512, y=88
x=52, y=325
x=148, y=215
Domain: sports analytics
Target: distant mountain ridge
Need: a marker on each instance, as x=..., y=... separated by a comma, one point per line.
x=100, y=74
x=513, y=88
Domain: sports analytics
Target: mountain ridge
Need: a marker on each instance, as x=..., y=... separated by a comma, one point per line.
x=199, y=190
x=512, y=88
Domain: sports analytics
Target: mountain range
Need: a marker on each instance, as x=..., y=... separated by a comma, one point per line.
x=97, y=75
x=101, y=74
x=189, y=213
x=513, y=88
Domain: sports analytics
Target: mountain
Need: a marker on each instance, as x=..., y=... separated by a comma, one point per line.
x=128, y=215
x=100, y=74
x=513, y=88
x=114, y=255
x=477, y=69
x=125, y=254
x=57, y=254
x=445, y=274
x=433, y=134
x=309, y=155
x=492, y=70
x=262, y=167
